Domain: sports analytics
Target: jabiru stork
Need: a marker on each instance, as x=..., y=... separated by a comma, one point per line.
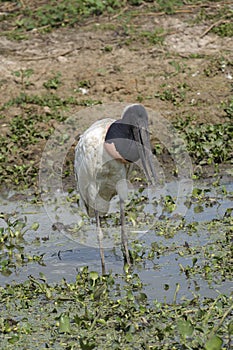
x=103, y=159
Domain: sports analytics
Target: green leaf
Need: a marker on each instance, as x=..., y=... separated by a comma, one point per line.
x=93, y=276
x=35, y=226
x=214, y=343
x=86, y=345
x=64, y=323
x=141, y=297
x=101, y=290
x=194, y=261
x=185, y=328
x=230, y=328
x=198, y=209
x=42, y=276
x=13, y=339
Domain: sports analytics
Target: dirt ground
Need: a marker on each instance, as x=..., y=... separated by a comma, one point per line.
x=190, y=73
x=126, y=71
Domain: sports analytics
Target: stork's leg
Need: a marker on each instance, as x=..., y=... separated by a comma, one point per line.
x=124, y=236
x=100, y=239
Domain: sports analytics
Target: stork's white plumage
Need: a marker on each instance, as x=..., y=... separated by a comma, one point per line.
x=103, y=158
x=96, y=171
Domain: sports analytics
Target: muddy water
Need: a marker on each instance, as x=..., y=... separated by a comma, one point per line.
x=63, y=256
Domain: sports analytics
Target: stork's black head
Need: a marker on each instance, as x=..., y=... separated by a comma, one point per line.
x=131, y=138
x=135, y=115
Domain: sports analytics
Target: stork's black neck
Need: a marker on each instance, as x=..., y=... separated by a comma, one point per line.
x=121, y=134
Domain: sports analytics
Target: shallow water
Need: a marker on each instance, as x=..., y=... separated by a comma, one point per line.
x=63, y=256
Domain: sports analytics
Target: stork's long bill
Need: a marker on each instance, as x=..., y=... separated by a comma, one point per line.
x=144, y=149
x=130, y=138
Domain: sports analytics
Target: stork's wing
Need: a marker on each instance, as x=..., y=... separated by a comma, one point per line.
x=89, y=164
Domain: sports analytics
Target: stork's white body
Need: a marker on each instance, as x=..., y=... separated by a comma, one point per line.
x=99, y=176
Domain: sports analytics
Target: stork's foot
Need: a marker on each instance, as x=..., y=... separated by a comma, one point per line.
x=128, y=260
